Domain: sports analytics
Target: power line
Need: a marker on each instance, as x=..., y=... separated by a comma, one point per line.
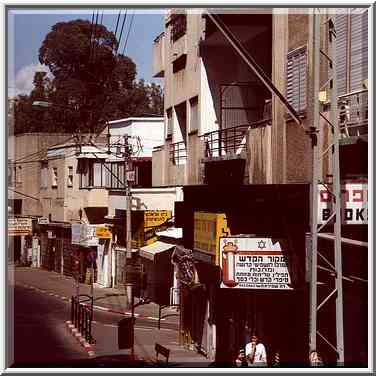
x=117, y=24
x=121, y=31
x=23, y=194
x=129, y=30
x=42, y=150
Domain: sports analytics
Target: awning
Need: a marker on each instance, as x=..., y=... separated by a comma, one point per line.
x=149, y=251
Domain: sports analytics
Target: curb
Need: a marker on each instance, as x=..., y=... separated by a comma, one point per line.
x=105, y=309
x=81, y=340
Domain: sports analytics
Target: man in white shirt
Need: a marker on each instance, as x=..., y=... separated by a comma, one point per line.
x=255, y=352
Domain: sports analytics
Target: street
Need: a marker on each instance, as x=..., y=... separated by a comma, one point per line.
x=41, y=338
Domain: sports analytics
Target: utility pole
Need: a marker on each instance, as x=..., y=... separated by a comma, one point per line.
x=128, y=197
x=127, y=168
x=334, y=192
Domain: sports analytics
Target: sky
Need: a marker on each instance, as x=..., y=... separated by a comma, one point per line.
x=28, y=28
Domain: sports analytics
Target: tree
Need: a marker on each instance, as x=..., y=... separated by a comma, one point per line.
x=91, y=82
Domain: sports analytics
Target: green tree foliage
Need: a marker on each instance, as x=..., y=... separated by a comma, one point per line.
x=91, y=83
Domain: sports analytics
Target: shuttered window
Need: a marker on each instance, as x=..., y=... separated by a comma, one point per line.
x=297, y=78
x=351, y=50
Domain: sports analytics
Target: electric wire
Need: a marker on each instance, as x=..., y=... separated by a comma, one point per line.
x=44, y=149
x=121, y=31
x=129, y=30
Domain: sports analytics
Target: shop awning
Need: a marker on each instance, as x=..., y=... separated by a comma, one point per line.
x=149, y=251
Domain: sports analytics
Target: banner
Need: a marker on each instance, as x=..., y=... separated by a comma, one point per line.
x=253, y=263
x=103, y=232
x=208, y=228
x=354, y=204
x=19, y=226
x=84, y=235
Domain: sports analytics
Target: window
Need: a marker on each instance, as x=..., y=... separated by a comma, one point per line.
x=193, y=118
x=169, y=123
x=70, y=177
x=11, y=174
x=297, y=78
x=98, y=174
x=351, y=50
x=178, y=26
x=54, y=177
x=179, y=64
x=44, y=175
x=18, y=170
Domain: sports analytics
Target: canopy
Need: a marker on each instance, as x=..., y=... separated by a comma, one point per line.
x=149, y=251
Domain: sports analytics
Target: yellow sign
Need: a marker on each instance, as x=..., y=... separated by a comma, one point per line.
x=103, y=232
x=154, y=218
x=19, y=226
x=208, y=228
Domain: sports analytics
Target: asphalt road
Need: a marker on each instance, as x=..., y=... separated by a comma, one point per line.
x=42, y=340
x=40, y=336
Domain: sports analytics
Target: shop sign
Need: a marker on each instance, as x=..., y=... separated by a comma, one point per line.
x=43, y=221
x=19, y=226
x=103, y=232
x=208, y=228
x=253, y=263
x=354, y=204
x=154, y=218
x=84, y=235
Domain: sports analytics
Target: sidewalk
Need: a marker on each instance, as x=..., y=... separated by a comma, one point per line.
x=114, y=300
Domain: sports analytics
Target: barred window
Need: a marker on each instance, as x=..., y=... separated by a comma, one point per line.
x=297, y=78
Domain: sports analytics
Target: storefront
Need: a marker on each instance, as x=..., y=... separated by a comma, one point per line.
x=279, y=316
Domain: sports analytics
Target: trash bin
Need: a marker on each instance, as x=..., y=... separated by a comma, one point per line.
x=126, y=333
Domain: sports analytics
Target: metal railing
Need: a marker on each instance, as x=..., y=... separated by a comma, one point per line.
x=82, y=315
x=229, y=140
x=353, y=114
x=178, y=153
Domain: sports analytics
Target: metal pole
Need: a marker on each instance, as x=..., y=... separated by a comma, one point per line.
x=337, y=193
x=92, y=278
x=315, y=48
x=128, y=213
x=128, y=197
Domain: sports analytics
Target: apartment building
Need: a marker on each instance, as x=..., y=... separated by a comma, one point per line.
x=238, y=151
x=25, y=155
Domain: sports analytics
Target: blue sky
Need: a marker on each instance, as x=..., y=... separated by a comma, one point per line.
x=28, y=28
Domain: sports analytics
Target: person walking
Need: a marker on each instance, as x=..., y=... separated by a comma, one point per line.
x=255, y=352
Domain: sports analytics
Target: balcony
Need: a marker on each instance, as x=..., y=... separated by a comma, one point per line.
x=178, y=153
x=230, y=143
x=158, y=60
x=353, y=116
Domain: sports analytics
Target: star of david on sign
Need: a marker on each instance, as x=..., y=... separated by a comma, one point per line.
x=261, y=244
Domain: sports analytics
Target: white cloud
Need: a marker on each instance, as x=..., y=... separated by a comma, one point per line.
x=24, y=78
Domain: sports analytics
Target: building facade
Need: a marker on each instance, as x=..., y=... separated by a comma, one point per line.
x=237, y=151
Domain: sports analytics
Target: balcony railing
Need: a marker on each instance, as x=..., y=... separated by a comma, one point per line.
x=353, y=114
x=178, y=153
x=229, y=141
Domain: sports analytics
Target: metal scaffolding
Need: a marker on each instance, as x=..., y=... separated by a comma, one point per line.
x=335, y=191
